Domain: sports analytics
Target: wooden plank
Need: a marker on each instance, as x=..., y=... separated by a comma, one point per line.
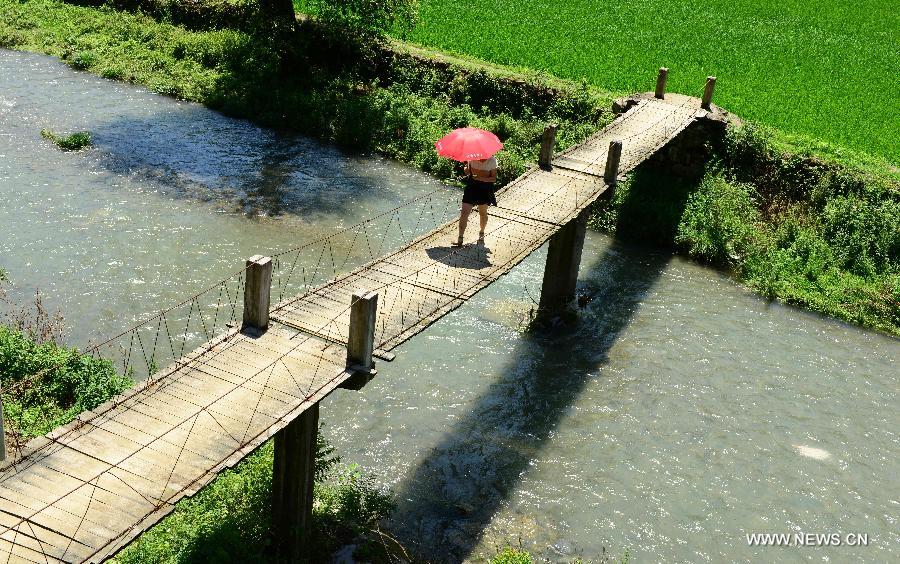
x=57, y=483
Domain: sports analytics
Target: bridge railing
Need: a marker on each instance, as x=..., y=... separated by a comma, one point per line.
x=301, y=269
x=145, y=348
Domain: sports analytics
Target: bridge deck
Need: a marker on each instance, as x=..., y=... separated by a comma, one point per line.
x=87, y=489
x=425, y=280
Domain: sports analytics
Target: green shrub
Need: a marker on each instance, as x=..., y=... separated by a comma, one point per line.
x=865, y=236
x=69, y=383
x=510, y=555
x=10, y=38
x=114, y=72
x=719, y=221
x=365, y=18
x=83, y=60
x=74, y=142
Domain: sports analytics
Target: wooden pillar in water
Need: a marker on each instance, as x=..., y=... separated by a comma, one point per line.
x=548, y=140
x=293, y=476
x=561, y=269
x=661, y=82
x=257, y=291
x=294, y=466
x=708, y=92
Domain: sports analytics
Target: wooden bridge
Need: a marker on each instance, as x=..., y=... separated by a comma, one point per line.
x=85, y=490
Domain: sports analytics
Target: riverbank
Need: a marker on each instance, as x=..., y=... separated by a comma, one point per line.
x=805, y=224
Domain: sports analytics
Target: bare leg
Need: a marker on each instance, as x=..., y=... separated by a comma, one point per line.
x=464, y=212
x=482, y=211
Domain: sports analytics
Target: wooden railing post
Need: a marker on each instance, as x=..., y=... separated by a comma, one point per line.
x=293, y=478
x=661, y=82
x=612, y=162
x=361, y=340
x=548, y=140
x=257, y=290
x=708, y=92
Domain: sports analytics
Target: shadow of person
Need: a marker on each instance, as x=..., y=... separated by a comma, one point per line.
x=473, y=256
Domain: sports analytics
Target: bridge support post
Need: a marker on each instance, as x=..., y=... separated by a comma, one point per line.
x=561, y=269
x=613, y=156
x=293, y=476
x=257, y=289
x=661, y=82
x=548, y=140
x=708, y=92
x=361, y=341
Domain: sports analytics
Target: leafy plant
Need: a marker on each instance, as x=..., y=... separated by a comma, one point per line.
x=510, y=555
x=366, y=19
x=74, y=142
x=719, y=222
x=83, y=60
x=68, y=383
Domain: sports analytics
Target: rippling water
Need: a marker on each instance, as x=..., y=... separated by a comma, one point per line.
x=680, y=414
x=171, y=198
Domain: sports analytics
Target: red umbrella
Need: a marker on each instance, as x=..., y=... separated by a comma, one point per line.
x=468, y=144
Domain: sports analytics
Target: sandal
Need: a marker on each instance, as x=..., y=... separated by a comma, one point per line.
x=457, y=243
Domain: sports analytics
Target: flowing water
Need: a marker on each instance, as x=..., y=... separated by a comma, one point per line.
x=681, y=414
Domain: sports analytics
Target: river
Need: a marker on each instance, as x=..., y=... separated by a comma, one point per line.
x=681, y=414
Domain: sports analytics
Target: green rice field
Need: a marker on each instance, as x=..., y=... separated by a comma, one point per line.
x=823, y=69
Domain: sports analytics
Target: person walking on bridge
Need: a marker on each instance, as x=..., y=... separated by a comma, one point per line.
x=481, y=175
x=475, y=147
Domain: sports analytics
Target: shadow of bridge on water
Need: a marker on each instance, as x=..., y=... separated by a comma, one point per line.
x=447, y=502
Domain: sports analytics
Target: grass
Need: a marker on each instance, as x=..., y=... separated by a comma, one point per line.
x=74, y=142
x=823, y=71
x=229, y=520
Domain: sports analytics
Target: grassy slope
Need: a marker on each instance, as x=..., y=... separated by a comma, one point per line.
x=832, y=245
x=824, y=69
